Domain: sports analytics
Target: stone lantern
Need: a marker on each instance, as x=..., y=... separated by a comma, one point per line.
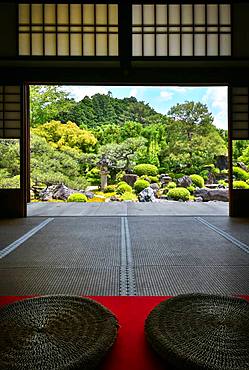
x=104, y=172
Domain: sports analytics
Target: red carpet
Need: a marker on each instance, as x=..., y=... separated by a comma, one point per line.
x=130, y=351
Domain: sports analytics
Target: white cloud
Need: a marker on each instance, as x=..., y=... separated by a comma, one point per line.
x=79, y=92
x=133, y=92
x=216, y=100
x=178, y=89
x=166, y=95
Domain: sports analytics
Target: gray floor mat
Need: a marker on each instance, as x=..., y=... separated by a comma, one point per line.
x=70, y=242
x=79, y=281
x=180, y=241
x=236, y=227
x=13, y=229
x=173, y=280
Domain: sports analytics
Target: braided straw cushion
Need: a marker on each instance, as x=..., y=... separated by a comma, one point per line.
x=55, y=332
x=198, y=331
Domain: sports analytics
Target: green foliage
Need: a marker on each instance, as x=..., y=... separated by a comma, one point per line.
x=123, y=156
x=191, y=139
x=191, y=189
x=47, y=103
x=240, y=174
x=140, y=185
x=77, y=197
x=215, y=171
x=204, y=174
x=197, y=180
x=128, y=196
x=67, y=135
x=146, y=178
x=93, y=176
x=7, y=182
x=122, y=188
x=102, y=109
x=241, y=151
x=179, y=194
x=153, y=178
x=224, y=172
x=223, y=182
x=110, y=188
x=192, y=114
x=240, y=185
x=171, y=185
x=50, y=166
x=145, y=169
x=10, y=157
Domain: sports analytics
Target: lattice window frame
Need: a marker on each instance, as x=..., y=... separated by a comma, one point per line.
x=240, y=113
x=50, y=30
x=201, y=34
x=10, y=111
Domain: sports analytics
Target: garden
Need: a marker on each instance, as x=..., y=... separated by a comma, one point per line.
x=104, y=149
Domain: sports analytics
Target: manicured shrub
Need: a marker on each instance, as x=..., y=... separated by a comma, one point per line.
x=145, y=169
x=240, y=185
x=153, y=178
x=215, y=171
x=121, y=183
x=146, y=178
x=240, y=174
x=223, y=182
x=128, y=196
x=140, y=185
x=77, y=197
x=122, y=188
x=171, y=185
x=197, y=180
x=191, y=189
x=110, y=188
x=179, y=194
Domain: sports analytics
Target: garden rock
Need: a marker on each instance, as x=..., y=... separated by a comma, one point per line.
x=212, y=194
x=130, y=179
x=89, y=194
x=59, y=192
x=222, y=162
x=198, y=199
x=154, y=186
x=184, y=181
x=147, y=195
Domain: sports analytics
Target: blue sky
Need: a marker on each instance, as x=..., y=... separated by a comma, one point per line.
x=162, y=98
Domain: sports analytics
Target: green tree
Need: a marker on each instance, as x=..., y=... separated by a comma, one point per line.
x=48, y=103
x=51, y=166
x=194, y=116
x=66, y=135
x=123, y=156
x=245, y=154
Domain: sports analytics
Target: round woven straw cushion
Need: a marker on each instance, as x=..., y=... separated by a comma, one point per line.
x=198, y=331
x=55, y=332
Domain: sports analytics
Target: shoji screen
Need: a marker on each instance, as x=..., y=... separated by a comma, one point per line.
x=240, y=113
x=181, y=30
x=68, y=29
x=10, y=112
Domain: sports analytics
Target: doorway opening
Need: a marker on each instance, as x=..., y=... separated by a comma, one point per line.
x=96, y=147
